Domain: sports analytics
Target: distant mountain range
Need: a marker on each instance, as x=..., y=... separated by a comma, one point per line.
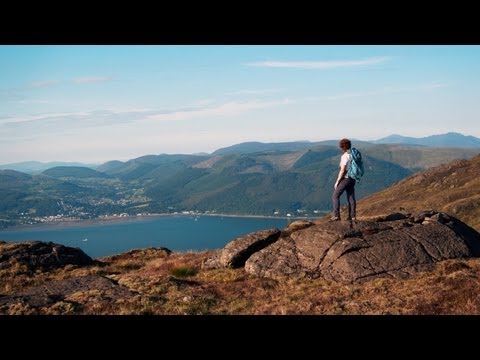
x=450, y=139
x=36, y=167
x=248, y=178
x=253, y=147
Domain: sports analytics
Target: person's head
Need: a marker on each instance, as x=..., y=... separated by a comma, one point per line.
x=345, y=145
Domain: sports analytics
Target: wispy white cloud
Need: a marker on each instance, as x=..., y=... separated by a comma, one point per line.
x=254, y=92
x=42, y=84
x=44, y=124
x=203, y=102
x=60, y=122
x=381, y=91
x=433, y=86
x=91, y=79
x=321, y=64
x=63, y=123
x=126, y=110
x=349, y=95
x=226, y=109
x=78, y=80
x=33, y=101
x=38, y=117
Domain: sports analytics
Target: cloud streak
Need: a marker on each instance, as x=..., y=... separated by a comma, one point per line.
x=78, y=80
x=226, y=109
x=33, y=101
x=39, y=117
x=433, y=86
x=321, y=64
x=91, y=79
x=42, y=84
x=12, y=128
x=43, y=124
x=254, y=92
x=381, y=91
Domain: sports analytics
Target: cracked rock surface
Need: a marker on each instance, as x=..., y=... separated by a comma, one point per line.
x=65, y=290
x=393, y=246
x=237, y=251
x=37, y=255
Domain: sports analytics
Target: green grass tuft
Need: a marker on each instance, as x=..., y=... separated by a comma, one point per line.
x=183, y=271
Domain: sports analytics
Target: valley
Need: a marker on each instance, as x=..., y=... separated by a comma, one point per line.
x=284, y=179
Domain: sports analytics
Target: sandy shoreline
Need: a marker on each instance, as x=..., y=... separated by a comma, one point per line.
x=132, y=218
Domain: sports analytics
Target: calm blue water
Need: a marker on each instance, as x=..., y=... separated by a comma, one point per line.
x=178, y=233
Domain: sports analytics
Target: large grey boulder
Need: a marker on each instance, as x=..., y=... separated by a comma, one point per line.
x=41, y=255
x=239, y=250
x=361, y=250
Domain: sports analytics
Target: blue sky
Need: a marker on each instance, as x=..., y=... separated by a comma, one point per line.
x=98, y=103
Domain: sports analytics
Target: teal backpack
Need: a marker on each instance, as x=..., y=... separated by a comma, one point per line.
x=355, y=170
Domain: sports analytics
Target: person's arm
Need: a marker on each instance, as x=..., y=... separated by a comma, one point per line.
x=341, y=173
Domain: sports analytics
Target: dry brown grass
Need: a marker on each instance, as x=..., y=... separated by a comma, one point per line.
x=451, y=288
x=452, y=188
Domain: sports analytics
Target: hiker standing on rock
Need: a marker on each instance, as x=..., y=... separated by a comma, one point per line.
x=344, y=183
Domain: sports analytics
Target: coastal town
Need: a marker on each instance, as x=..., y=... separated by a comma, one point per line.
x=76, y=215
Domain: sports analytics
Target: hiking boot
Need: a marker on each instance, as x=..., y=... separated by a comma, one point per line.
x=352, y=219
x=335, y=218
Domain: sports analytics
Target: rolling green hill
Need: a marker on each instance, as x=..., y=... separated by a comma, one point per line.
x=142, y=166
x=110, y=167
x=36, y=167
x=450, y=139
x=253, y=147
x=36, y=194
x=419, y=158
x=251, y=184
x=78, y=172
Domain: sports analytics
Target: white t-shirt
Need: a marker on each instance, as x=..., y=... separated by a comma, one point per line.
x=346, y=160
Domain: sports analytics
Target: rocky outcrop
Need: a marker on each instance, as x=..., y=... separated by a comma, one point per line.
x=240, y=249
x=64, y=291
x=158, y=252
x=40, y=255
x=396, y=245
x=213, y=261
x=295, y=226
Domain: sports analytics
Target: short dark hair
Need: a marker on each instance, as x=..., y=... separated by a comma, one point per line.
x=345, y=144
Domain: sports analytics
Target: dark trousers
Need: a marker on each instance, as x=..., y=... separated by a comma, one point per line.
x=347, y=184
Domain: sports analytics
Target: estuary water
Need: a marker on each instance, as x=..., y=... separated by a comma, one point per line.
x=178, y=233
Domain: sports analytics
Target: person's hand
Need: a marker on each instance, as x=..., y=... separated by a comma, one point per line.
x=335, y=186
